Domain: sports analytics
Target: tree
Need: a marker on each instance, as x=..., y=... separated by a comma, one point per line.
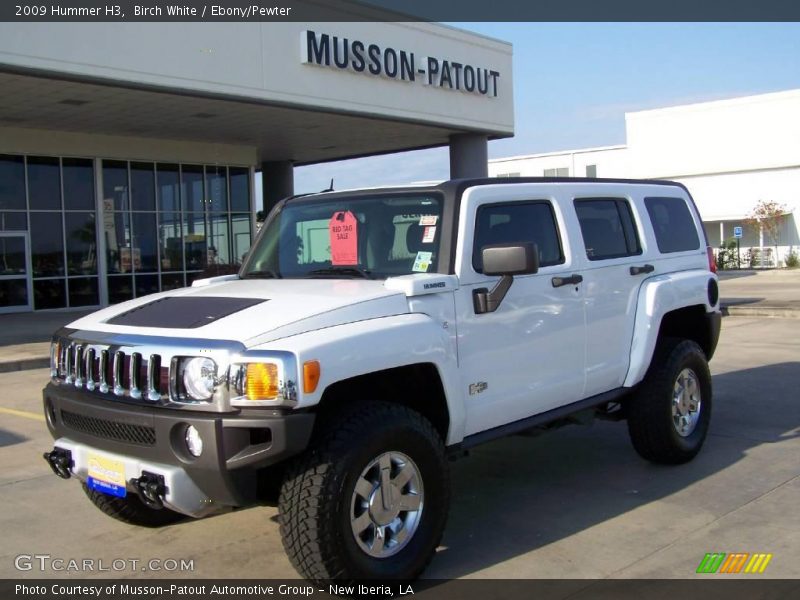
x=768, y=216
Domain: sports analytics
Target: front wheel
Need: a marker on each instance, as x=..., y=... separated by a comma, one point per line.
x=668, y=417
x=369, y=499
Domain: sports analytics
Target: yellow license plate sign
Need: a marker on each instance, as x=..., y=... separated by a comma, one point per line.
x=106, y=475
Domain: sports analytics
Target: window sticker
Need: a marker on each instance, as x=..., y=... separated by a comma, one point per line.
x=428, y=220
x=428, y=234
x=422, y=262
x=343, y=232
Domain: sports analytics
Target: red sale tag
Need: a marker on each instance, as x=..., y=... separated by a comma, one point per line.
x=344, y=238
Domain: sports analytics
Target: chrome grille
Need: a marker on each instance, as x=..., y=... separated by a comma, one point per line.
x=109, y=371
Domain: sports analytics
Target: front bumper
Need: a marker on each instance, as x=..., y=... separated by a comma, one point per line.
x=235, y=445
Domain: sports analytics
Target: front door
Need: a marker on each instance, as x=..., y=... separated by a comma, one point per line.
x=15, y=281
x=528, y=356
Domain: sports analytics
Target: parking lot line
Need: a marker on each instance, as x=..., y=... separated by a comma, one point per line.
x=22, y=413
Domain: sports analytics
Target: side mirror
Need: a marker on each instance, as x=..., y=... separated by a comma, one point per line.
x=505, y=260
x=510, y=259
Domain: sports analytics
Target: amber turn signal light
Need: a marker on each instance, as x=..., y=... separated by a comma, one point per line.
x=261, y=381
x=311, y=373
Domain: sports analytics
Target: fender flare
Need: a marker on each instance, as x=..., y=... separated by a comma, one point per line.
x=658, y=296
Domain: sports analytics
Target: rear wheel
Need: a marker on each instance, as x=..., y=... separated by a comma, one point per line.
x=132, y=510
x=369, y=499
x=668, y=417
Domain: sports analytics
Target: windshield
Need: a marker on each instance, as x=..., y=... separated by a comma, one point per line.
x=360, y=237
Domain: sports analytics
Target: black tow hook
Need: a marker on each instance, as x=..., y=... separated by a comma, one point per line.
x=151, y=489
x=60, y=461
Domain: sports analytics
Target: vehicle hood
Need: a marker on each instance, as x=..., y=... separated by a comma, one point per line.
x=249, y=311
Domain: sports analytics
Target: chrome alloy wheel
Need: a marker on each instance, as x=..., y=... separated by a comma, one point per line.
x=686, y=402
x=387, y=504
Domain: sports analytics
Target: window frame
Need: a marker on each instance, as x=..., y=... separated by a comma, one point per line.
x=548, y=203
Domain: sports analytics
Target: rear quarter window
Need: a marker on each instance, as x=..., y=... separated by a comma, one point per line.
x=673, y=224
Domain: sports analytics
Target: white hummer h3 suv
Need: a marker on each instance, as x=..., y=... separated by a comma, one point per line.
x=370, y=335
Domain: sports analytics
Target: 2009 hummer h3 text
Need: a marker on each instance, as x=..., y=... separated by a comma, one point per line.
x=368, y=335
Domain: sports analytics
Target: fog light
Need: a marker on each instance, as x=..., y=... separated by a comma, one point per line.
x=194, y=443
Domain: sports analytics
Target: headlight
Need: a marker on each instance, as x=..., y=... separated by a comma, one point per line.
x=199, y=378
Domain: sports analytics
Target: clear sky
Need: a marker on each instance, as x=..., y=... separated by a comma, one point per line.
x=573, y=83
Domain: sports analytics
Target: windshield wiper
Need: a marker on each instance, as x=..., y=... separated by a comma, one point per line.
x=263, y=274
x=352, y=271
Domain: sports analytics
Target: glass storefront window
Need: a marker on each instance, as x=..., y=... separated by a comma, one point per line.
x=193, y=198
x=120, y=288
x=13, y=221
x=145, y=242
x=13, y=292
x=168, y=187
x=218, y=239
x=143, y=190
x=163, y=225
x=115, y=185
x=78, y=176
x=171, y=281
x=241, y=237
x=12, y=255
x=240, y=189
x=217, y=189
x=81, y=248
x=170, y=241
x=44, y=183
x=117, y=231
x=12, y=183
x=49, y=293
x=47, y=244
x=83, y=291
x=146, y=284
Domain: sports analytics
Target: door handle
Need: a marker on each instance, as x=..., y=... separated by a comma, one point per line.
x=571, y=280
x=642, y=269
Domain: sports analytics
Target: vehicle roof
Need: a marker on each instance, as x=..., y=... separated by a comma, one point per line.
x=459, y=185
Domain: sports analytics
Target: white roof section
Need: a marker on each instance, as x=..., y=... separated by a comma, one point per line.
x=559, y=153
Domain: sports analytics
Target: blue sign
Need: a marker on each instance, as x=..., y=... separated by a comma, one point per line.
x=737, y=232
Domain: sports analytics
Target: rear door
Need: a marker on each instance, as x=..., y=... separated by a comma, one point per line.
x=614, y=269
x=528, y=356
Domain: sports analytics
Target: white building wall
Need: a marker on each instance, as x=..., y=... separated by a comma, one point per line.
x=729, y=154
x=727, y=136
x=610, y=161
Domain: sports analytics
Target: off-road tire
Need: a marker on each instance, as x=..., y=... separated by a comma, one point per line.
x=650, y=423
x=316, y=495
x=132, y=510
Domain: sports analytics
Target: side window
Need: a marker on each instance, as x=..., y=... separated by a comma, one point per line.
x=514, y=223
x=673, y=224
x=607, y=228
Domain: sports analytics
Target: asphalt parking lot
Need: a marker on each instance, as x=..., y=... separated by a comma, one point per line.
x=577, y=503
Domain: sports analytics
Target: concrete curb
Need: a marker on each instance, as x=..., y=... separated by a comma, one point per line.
x=26, y=364
x=779, y=312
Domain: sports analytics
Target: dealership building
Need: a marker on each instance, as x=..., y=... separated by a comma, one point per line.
x=129, y=151
x=730, y=154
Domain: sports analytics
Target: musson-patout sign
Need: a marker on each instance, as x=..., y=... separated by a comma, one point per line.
x=325, y=50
